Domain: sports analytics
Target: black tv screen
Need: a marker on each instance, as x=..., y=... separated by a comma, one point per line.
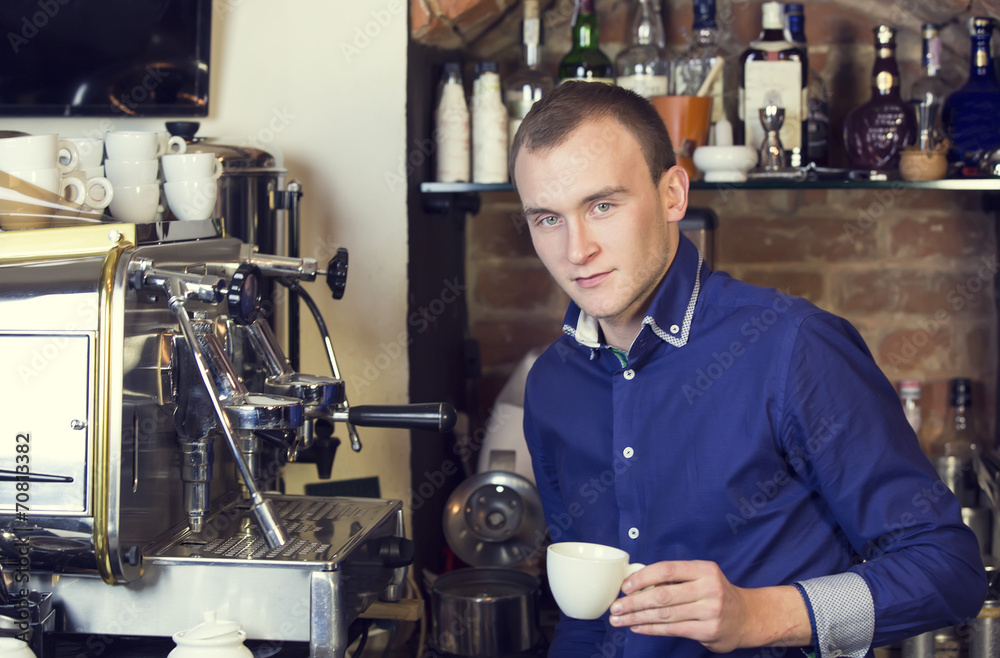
x=144, y=58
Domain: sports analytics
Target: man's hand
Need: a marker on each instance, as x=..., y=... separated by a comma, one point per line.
x=695, y=600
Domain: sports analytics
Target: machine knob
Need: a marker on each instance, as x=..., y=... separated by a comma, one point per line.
x=243, y=297
x=396, y=552
x=336, y=273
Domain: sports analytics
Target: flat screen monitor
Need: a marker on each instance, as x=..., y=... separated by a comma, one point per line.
x=147, y=58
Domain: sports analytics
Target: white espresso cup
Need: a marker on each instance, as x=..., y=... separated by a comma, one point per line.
x=37, y=152
x=136, y=203
x=170, y=145
x=190, y=166
x=192, y=199
x=585, y=579
x=92, y=191
x=139, y=145
x=132, y=172
x=49, y=179
x=90, y=149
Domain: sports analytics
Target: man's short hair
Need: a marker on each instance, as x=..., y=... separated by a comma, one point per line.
x=558, y=113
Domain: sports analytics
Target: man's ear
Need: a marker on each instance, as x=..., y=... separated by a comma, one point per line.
x=673, y=190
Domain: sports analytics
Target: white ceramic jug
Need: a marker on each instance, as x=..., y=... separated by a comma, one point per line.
x=211, y=639
x=13, y=648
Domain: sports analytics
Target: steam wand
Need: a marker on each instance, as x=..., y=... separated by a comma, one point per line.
x=178, y=288
x=344, y=407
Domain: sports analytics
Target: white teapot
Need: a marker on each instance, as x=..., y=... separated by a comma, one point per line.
x=14, y=648
x=211, y=639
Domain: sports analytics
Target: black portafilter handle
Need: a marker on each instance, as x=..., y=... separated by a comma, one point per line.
x=431, y=416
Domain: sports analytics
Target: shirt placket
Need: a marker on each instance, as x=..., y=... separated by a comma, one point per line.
x=624, y=381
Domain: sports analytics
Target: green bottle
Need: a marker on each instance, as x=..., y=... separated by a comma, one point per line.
x=585, y=61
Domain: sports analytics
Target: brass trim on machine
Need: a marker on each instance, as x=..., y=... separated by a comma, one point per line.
x=52, y=243
x=104, y=349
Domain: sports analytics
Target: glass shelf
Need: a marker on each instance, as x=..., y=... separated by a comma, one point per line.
x=946, y=184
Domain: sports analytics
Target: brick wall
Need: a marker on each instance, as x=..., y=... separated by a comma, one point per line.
x=912, y=269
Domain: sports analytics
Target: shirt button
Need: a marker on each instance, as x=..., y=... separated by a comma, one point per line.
x=628, y=452
x=633, y=533
x=629, y=374
x=674, y=328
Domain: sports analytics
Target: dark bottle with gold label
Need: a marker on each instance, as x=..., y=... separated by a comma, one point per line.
x=876, y=132
x=971, y=114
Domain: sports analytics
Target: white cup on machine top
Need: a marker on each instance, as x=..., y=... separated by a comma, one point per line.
x=190, y=166
x=585, y=579
x=75, y=187
x=90, y=150
x=132, y=172
x=192, y=199
x=140, y=145
x=136, y=203
x=28, y=152
x=49, y=179
x=170, y=145
x=90, y=190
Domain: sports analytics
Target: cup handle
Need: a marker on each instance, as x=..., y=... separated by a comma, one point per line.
x=632, y=568
x=218, y=169
x=105, y=185
x=69, y=152
x=176, y=145
x=73, y=190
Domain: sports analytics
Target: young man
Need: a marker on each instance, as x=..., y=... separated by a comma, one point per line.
x=740, y=442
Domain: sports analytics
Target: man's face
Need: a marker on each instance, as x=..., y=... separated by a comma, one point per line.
x=599, y=223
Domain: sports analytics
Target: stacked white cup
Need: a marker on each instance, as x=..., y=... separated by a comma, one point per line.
x=89, y=171
x=191, y=184
x=133, y=168
x=46, y=161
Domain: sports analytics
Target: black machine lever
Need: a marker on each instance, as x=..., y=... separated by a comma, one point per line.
x=432, y=416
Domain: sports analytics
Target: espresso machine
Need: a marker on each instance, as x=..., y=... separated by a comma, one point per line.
x=147, y=409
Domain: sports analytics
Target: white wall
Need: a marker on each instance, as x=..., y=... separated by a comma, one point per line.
x=326, y=81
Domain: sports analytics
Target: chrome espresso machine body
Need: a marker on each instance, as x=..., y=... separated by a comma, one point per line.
x=146, y=414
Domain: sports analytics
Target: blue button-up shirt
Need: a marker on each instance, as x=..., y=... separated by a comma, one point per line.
x=752, y=429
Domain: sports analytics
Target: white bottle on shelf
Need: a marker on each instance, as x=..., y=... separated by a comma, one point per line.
x=451, y=132
x=489, y=126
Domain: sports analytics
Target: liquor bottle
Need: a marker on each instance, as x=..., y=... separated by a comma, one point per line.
x=774, y=73
x=929, y=91
x=817, y=97
x=644, y=66
x=876, y=132
x=451, y=131
x=958, y=445
x=702, y=54
x=972, y=112
x=489, y=126
x=585, y=61
x=527, y=84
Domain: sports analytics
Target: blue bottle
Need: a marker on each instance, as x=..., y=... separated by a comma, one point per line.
x=971, y=114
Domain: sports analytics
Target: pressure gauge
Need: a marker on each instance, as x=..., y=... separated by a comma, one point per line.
x=244, y=294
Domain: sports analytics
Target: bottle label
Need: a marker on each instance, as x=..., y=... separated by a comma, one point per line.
x=885, y=81
x=532, y=31
x=644, y=85
x=779, y=83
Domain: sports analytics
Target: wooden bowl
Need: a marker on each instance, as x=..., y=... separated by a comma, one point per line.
x=917, y=165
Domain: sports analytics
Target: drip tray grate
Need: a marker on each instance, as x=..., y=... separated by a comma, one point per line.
x=320, y=530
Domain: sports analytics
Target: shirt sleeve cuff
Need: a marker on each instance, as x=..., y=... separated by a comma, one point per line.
x=842, y=614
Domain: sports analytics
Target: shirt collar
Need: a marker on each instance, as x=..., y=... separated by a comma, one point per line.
x=672, y=310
